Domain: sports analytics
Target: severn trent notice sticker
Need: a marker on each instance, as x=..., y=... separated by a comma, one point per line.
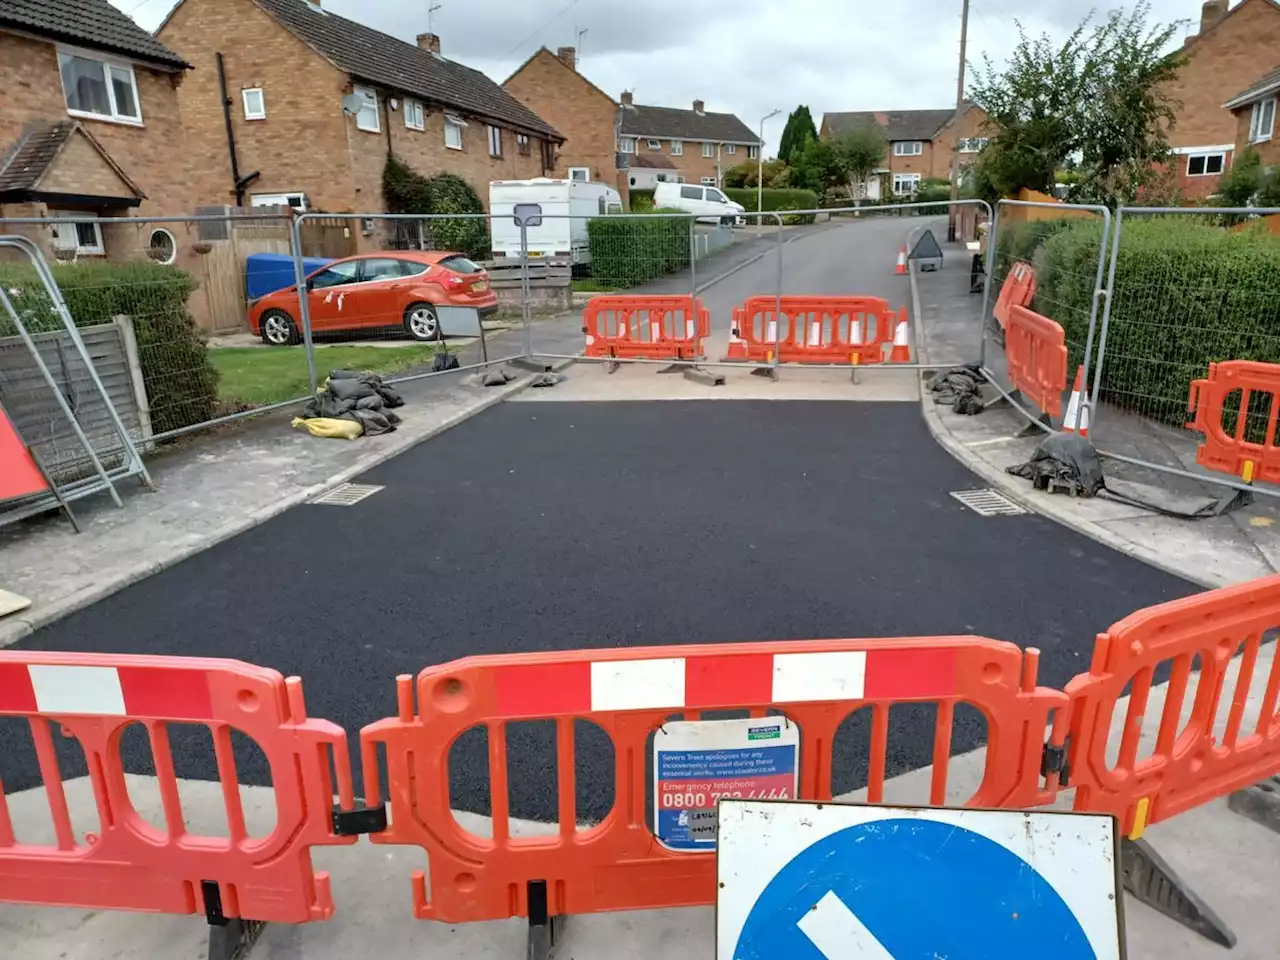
x=698, y=763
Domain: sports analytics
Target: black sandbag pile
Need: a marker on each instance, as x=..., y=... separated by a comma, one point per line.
x=362, y=397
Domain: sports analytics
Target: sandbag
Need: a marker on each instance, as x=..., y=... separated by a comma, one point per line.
x=1063, y=460
x=328, y=427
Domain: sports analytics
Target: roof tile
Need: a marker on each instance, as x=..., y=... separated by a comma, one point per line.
x=669, y=123
x=90, y=23
x=896, y=124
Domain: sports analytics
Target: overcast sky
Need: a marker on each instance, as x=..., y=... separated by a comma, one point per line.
x=747, y=57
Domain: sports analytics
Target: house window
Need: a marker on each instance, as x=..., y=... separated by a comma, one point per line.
x=522, y=144
x=80, y=238
x=415, y=117
x=162, y=247
x=1262, y=121
x=298, y=201
x=495, y=141
x=731, y=148
x=708, y=181
x=905, y=184
x=580, y=173
x=972, y=144
x=677, y=148
x=655, y=144
x=255, y=103
x=908, y=148
x=753, y=153
x=627, y=145
x=708, y=149
x=1205, y=164
x=367, y=115
x=94, y=87
x=453, y=131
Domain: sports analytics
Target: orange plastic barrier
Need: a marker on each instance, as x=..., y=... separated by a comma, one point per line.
x=828, y=330
x=19, y=474
x=1192, y=760
x=129, y=864
x=617, y=864
x=645, y=327
x=1018, y=290
x=1036, y=354
x=1234, y=452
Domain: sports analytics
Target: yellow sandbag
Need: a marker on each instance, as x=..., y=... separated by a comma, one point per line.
x=329, y=427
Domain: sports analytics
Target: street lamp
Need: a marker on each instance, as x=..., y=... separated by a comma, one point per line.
x=760, y=171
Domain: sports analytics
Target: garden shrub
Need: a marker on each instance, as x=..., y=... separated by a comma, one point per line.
x=181, y=383
x=406, y=191
x=776, y=201
x=627, y=251
x=641, y=201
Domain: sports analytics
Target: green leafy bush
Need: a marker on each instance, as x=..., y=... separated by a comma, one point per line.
x=406, y=191
x=627, y=251
x=641, y=201
x=181, y=383
x=776, y=201
x=1187, y=294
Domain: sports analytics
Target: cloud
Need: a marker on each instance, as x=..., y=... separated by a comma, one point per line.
x=747, y=57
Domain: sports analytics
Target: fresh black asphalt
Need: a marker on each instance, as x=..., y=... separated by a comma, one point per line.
x=555, y=526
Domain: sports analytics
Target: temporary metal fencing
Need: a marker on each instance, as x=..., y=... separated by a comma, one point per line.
x=1040, y=741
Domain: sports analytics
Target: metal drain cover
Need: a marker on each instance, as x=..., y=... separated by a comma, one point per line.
x=347, y=495
x=988, y=503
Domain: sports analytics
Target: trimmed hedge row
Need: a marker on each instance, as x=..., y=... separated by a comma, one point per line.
x=776, y=201
x=181, y=383
x=1187, y=294
x=627, y=251
x=641, y=201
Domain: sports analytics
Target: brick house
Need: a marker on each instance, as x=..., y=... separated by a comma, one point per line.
x=698, y=145
x=1233, y=47
x=88, y=126
x=1255, y=113
x=921, y=143
x=315, y=102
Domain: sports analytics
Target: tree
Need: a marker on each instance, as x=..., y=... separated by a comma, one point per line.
x=777, y=175
x=816, y=167
x=1099, y=98
x=798, y=131
x=859, y=153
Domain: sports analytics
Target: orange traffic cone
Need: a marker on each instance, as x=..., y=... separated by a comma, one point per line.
x=902, y=260
x=901, y=352
x=1076, y=407
x=737, y=346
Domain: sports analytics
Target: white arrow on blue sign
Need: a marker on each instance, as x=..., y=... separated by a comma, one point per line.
x=838, y=882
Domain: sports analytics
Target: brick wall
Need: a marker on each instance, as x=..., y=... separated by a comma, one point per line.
x=582, y=112
x=972, y=123
x=1268, y=150
x=693, y=166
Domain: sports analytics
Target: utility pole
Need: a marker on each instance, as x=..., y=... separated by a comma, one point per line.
x=955, y=147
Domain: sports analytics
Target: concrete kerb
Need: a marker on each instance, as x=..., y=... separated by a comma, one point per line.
x=16, y=628
x=1045, y=505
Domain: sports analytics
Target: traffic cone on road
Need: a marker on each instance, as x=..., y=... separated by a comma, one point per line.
x=1077, y=408
x=901, y=268
x=901, y=352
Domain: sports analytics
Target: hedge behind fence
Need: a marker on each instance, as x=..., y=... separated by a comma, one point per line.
x=1187, y=294
x=181, y=383
x=776, y=201
x=626, y=251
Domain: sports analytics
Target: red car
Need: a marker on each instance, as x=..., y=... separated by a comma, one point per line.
x=399, y=288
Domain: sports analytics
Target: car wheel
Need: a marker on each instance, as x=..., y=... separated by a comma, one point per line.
x=278, y=329
x=422, y=322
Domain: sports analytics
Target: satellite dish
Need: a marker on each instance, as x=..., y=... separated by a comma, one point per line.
x=352, y=103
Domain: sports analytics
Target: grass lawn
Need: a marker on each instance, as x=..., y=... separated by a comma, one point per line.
x=262, y=375
x=588, y=285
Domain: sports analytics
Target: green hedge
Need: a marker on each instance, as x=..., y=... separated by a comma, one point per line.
x=641, y=201
x=776, y=201
x=1187, y=294
x=626, y=251
x=181, y=383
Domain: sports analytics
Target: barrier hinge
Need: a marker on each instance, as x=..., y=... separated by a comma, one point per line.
x=352, y=823
x=1054, y=760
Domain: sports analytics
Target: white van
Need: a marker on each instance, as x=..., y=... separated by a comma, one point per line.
x=566, y=205
x=705, y=203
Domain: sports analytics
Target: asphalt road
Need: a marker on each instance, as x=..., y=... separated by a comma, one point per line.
x=561, y=526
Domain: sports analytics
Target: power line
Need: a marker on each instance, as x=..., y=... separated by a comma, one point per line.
x=137, y=6
x=552, y=19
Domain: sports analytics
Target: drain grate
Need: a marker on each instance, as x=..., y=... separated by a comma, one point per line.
x=347, y=495
x=988, y=503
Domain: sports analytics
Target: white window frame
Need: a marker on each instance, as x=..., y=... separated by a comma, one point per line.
x=366, y=94
x=626, y=144
x=261, y=112
x=1205, y=155
x=455, y=124
x=1256, y=134
x=97, y=249
x=709, y=182
x=279, y=200
x=911, y=180
x=753, y=153
x=524, y=145
x=107, y=64
x=677, y=148
x=585, y=170
x=731, y=148
x=173, y=243
x=973, y=144
x=495, y=141
x=415, y=114
x=708, y=151
x=654, y=144
x=908, y=148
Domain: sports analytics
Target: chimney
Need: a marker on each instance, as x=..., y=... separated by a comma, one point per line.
x=568, y=56
x=699, y=107
x=1211, y=13
x=429, y=42
x=626, y=98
